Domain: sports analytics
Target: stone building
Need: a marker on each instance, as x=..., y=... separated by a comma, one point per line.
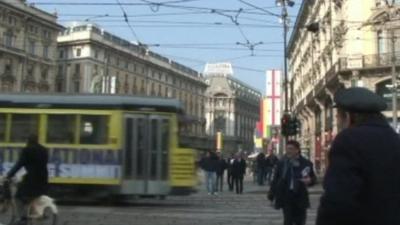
x=28, y=45
x=92, y=60
x=231, y=107
x=350, y=46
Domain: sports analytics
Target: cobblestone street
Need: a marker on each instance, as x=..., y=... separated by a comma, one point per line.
x=198, y=209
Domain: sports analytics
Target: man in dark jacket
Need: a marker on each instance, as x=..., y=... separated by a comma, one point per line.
x=33, y=158
x=270, y=162
x=221, y=166
x=260, y=163
x=238, y=172
x=362, y=182
x=209, y=165
x=289, y=185
x=229, y=168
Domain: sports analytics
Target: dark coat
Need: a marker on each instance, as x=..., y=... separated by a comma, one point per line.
x=221, y=166
x=209, y=164
x=238, y=168
x=34, y=159
x=271, y=161
x=260, y=161
x=362, y=182
x=280, y=190
x=229, y=165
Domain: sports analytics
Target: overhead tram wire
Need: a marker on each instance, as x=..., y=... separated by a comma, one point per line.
x=127, y=22
x=149, y=3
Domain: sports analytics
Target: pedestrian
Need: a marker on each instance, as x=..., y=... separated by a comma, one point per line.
x=209, y=165
x=270, y=162
x=33, y=158
x=221, y=166
x=362, y=182
x=288, y=191
x=260, y=162
x=238, y=172
x=230, y=161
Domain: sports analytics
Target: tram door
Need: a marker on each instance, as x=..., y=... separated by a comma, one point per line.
x=146, y=153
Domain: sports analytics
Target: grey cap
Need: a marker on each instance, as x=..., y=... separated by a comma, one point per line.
x=357, y=99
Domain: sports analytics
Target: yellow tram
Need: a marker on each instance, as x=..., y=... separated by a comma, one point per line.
x=100, y=145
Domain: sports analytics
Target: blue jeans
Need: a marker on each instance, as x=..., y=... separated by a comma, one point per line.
x=210, y=181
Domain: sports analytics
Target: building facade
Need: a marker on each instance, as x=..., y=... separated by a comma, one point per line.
x=28, y=45
x=91, y=60
x=231, y=107
x=349, y=47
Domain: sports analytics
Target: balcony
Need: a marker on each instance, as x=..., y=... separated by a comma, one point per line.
x=367, y=61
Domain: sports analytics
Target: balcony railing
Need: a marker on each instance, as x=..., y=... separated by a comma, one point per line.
x=367, y=61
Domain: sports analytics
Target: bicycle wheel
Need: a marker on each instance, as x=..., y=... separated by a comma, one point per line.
x=7, y=216
x=48, y=218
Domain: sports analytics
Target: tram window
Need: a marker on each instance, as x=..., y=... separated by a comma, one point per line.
x=61, y=129
x=22, y=125
x=2, y=127
x=154, y=148
x=94, y=129
x=165, y=148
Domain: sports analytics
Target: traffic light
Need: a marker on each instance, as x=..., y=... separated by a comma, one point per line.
x=285, y=124
x=294, y=126
x=290, y=126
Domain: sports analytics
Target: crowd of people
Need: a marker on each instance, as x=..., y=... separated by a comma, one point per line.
x=214, y=166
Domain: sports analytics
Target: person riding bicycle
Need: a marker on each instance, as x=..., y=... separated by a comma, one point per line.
x=33, y=158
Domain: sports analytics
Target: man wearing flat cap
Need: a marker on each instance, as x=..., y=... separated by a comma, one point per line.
x=362, y=182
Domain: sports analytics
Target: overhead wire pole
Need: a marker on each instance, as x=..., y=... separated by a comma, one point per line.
x=285, y=75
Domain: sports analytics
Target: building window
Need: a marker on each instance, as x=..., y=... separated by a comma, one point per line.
x=12, y=20
x=61, y=54
x=8, y=39
x=30, y=70
x=95, y=69
x=96, y=54
x=45, y=73
x=78, y=52
x=159, y=90
x=59, y=85
x=152, y=89
x=134, y=86
x=142, y=88
x=76, y=85
x=32, y=47
x=60, y=70
x=114, y=84
x=46, y=34
x=46, y=51
x=8, y=66
x=381, y=43
x=77, y=68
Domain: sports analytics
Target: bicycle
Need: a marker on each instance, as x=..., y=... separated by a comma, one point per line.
x=41, y=211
